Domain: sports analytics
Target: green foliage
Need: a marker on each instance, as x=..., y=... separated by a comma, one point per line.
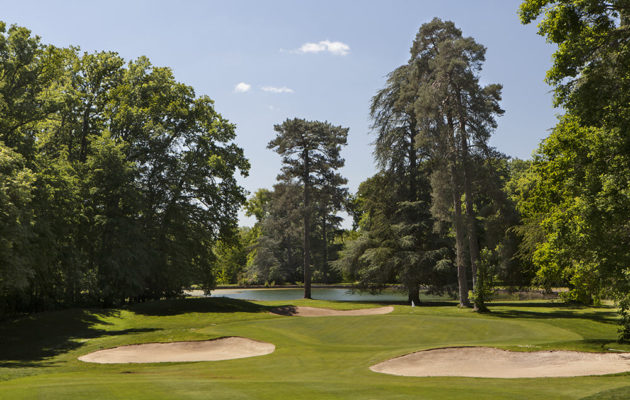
x=117, y=179
x=310, y=152
x=231, y=256
x=256, y=206
x=484, y=285
x=277, y=249
x=396, y=242
x=433, y=120
x=589, y=71
x=579, y=205
x=457, y=116
x=16, y=214
x=624, y=312
x=579, y=194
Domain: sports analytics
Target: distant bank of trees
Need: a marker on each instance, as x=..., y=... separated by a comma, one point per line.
x=115, y=179
x=437, y=213
x=448, y=212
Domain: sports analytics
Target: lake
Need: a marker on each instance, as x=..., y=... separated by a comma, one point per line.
x=333, y=294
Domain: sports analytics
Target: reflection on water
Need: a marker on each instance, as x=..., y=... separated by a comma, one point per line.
x=334, y=294
x=342, y=294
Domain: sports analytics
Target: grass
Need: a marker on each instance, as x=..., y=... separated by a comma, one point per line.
x=315, y=358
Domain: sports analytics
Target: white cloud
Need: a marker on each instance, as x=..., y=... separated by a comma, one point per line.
x=336, y=48
x=273, y=89
x=242, y=87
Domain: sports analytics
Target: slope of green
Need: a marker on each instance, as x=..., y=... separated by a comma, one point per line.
x=315, y=358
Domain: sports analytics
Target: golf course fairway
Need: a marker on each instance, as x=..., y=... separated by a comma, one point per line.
x=327, y=357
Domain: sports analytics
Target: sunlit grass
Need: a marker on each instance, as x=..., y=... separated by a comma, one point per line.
x=315, y=358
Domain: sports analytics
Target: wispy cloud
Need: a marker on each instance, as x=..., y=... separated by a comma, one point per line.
x=273, y=89
x=336, y=48
x=242, y=87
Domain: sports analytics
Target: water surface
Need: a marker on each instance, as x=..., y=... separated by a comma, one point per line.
x=333, y=294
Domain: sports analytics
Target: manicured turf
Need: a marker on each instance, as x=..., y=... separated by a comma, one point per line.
x=315, y=358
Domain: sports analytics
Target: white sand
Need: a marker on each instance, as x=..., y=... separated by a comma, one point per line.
x=486, y=362
x=209, y=350
x=326, y=312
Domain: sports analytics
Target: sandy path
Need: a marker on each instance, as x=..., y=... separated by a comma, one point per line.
x=327, y=312
x=486, y=362
x=208, y=350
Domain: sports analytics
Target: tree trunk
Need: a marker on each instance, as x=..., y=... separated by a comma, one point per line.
x=325, y=266
x=473, y=243
x=462, y=280
x=414, y=293
x=307, y=228
x=413, y=167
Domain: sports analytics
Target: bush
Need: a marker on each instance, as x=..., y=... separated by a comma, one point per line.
x=484, y=287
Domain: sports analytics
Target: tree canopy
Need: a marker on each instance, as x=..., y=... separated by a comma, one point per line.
x=310, y=152
x=117, y=179
x=577, y=201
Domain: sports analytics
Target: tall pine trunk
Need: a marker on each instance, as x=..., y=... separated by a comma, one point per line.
x=307, y=229
x=473, y=242
x=462, y=279
x=471, y=228
x=460, y=236
x=413, y=166
x=325, y=266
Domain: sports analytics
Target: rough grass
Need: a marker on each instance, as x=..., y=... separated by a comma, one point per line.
x=315, y=358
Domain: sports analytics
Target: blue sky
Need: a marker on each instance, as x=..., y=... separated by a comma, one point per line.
x=319, y=60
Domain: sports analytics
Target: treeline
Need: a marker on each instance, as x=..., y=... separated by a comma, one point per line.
x=575, y=198
x=297, y=222
x=438, y=213
x=448, y=212
x=115, y=179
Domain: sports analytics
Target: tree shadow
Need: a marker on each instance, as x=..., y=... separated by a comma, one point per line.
x=287, y=311
x=30, y=341
x=426, y=303
x=610, y=394
x=540, y=304
x=607, y=316
x=196, y=305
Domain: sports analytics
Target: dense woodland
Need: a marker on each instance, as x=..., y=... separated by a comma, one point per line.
x=119, y=183
x=116, y=179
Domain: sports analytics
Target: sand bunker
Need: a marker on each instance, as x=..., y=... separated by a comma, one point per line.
x=326, y=312
x=209, y=350
x=483, y=362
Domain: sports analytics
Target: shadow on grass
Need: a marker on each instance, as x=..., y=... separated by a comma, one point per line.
x=29, y=341
x=428, y=303
x=196, y=305
x=287, y=311
x=621, y=393
x=608, y=315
